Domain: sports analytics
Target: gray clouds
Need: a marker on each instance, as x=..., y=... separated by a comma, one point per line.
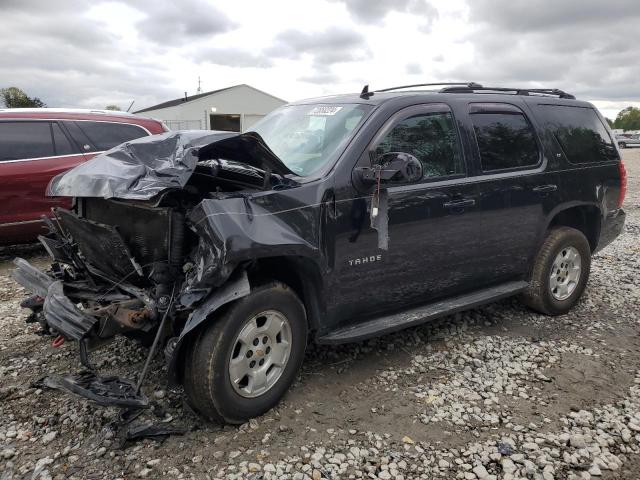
x=325, y=48
x=232, y=57
x=320, y=78
x=413, y=68
x=60, y=57
x=539, y=15
x=172, y=23
x=85, y=53
x=581, y=46
x=333, y=45
x=373, y=12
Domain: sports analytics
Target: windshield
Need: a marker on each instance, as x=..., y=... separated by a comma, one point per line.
x=308, y=137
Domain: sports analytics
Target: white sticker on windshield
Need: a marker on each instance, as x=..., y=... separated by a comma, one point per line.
x=324, y=110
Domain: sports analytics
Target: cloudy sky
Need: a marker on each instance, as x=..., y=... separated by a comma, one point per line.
x=91, y=53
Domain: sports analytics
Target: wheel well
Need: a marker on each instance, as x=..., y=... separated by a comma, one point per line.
x=299, y=273
x=584, y=218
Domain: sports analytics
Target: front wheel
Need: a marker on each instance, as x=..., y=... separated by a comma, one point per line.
x=560, y=272
x=622, y=145
x=240, y=365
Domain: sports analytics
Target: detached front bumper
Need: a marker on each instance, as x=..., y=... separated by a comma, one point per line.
x=65, y=318
x=59, y=311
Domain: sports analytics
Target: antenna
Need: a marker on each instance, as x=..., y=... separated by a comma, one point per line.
x=199, y=86
x=132, y=102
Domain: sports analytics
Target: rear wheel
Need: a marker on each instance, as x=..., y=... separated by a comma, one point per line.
x=560, y=272
x=240, y=365
x=622, y=145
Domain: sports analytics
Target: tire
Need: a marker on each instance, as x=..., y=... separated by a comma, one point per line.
x=257, y=317
x=540, y=294
x=622, y=145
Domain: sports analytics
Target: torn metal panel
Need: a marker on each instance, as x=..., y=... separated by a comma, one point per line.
x=248, y=227
x=62, y=314
x=31, y=278
x=101, y=245
x=153, y=431
x=143, y=168
x=234, y=289
x=105, y=391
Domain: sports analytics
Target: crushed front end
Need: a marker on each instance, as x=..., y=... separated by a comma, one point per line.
x=136, y=257
x=116, y=269
x=114, y=265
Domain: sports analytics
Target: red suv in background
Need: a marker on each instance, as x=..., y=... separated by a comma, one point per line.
x=37, y=144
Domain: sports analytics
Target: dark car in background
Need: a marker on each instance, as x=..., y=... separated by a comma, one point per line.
x=38, y=144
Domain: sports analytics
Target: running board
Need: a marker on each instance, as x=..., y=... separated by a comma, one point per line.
x=422, y=314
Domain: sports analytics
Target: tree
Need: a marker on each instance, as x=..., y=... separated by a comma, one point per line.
x=113, y=107
x=13, y=97
x=610, y=122
x=628, y=119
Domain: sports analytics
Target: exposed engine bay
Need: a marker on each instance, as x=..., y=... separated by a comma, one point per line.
x=151, y=245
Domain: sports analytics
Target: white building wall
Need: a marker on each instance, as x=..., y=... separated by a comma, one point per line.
x=244, y=100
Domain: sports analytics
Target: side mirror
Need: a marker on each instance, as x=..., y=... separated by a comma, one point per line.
x=392, y=167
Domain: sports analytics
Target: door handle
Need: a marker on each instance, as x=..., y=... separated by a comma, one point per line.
x=460, y=204
x=545, y=188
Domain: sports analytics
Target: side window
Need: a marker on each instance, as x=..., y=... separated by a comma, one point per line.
x=79, y=137
x=60, y=141
x=431, y=138
x=505, y=140
x=23, y=140
x=105, y=135
x=581, y=134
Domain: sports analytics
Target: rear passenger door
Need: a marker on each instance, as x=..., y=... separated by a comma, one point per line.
x=517, y=187
x=31, y=153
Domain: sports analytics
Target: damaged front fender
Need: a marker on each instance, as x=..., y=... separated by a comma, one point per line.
x=233, y=290
x=244, y=228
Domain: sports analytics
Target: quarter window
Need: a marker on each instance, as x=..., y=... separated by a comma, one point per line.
x=23, y=140
x=505, y=140
x=431, y=138
x=100, y=136
x=581, y=134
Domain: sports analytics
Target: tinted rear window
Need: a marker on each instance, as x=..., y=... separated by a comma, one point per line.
x=505, y=140
x=581, y=134
x=23, y=140
x=105, y=135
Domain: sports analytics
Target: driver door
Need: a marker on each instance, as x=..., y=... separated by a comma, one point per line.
x=432, y=224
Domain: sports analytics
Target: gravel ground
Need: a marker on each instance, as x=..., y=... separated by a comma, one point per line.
x=496, y=392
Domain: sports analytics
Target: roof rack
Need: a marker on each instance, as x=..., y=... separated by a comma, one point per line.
x=473, y=88
x=467, y=85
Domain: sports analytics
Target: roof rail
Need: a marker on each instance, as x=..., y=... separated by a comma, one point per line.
x=514, y=91
x=467, y=85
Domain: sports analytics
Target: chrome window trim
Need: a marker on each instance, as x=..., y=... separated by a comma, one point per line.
x=15, y=224
x=2, y=162
x=2, y=119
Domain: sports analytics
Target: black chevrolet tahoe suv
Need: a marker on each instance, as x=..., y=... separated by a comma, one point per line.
x=333, y=220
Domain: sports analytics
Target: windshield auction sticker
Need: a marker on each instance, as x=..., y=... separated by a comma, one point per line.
x=324, y=110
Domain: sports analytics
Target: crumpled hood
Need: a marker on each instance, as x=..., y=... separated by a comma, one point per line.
x=142, y=168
